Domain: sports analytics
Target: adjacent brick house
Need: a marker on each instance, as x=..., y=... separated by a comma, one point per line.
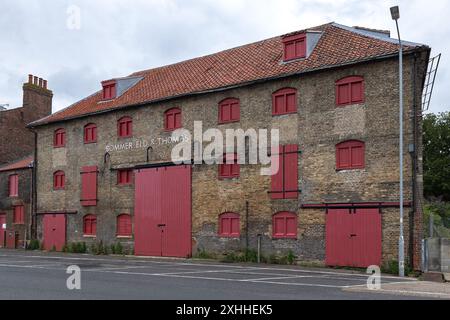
x=16, y=203
x=104, y=163
x=17, y=146
x=17, y=140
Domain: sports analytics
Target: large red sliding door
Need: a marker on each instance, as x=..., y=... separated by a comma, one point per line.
x=163, y=212
x=353, y=237
x=54, y=231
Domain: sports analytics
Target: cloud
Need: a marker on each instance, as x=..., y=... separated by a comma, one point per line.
x=118, y=37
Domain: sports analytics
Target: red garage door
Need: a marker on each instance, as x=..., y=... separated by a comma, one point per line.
x=54, y=231
x=353, y=237
x=163, y=212
x=2, y=229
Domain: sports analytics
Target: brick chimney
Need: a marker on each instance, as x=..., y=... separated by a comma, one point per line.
x=37, y=99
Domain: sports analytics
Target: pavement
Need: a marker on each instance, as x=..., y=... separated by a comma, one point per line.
x=43, y=276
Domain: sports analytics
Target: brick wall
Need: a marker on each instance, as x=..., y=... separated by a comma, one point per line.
x=24, y=199
x=317, y=128
x=17, y=141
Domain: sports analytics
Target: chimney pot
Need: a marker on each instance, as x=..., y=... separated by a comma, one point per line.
x=30, y=78
x=45, y=84
x=35, y=80
x=41, y=84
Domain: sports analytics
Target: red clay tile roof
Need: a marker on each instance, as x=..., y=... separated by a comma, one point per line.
x=261, y=60
x=21, y=164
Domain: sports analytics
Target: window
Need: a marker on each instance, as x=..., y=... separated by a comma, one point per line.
x=89, y=186
x=284, y=101
x=124, y=177
x=109, y=90
x=14, y=185
x=59, y=180
x=19, y=217
x=350, y=90
x=350, y=155
x=59, y=139
x=90, y=133
x=125, y=127
x=230, y=168
x=229, y=110
x=124, y=225
x=90, y=225
x=284, y=225
x=229, y=225
x=294, y=47
x=172, y=119
x=285, y=180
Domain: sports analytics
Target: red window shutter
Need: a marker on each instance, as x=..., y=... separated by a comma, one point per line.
x=285, y=182
x=14, y=185
x=90, y=133
x=294, y=47
x=89, y=186
x=124, y=177
x=59, y=180
x=229, y=225
x=229, y=110
x=277, y=185
x=172, y=119
x=90, y=225
x=357, y=92
x=59, y=138
x=124, y=225
x=228, y=170
x=284, y=101
x=125, y=127
x=350, y=90
x=284, y=225
x=291, y=171
x=109, y=90
x=350, y=155
x=19, y=215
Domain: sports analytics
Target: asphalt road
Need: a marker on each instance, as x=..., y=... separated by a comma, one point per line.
x=36, y=276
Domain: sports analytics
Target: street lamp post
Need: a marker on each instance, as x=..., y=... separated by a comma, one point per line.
x=395, y=13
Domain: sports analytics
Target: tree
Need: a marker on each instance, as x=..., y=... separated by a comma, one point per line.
x=436, y=141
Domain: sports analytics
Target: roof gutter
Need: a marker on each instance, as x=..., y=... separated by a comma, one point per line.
x=239, y=85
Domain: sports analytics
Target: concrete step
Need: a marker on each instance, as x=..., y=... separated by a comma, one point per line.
x=432, y=277
x=447, y=277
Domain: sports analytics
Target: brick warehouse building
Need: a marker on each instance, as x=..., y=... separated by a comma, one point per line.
x=17, y=145
x=332, y=91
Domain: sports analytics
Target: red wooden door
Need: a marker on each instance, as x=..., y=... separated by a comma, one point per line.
x=338, y=240
x=367, y=242
x=54, y=231
x=353, y=237
x=163, y=212
x=2, y=229
x=176, y=211
x=147, y=211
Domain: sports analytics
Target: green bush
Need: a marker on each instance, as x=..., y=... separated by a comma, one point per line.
x=117, y=248
x=34, y=245
x=391, y=267
x=203, y=254
x=290, y=257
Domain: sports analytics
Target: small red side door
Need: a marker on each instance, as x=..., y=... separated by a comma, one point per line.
x=2, y=229
x=54, y=231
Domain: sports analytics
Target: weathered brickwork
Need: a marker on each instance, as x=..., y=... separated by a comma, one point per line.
x=17, y=141
x=317, y=127
x=8, y=203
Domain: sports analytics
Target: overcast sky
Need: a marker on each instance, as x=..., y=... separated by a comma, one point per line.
x=118, y=37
